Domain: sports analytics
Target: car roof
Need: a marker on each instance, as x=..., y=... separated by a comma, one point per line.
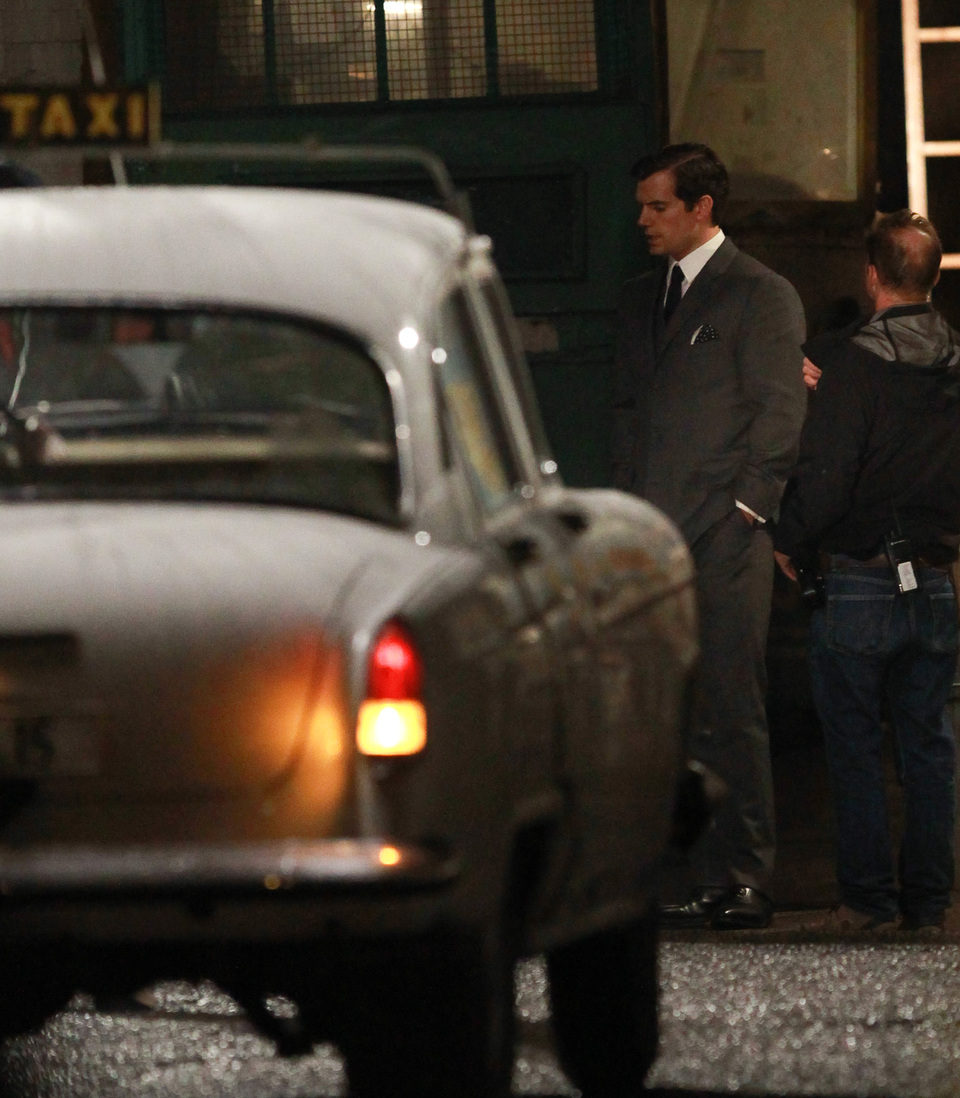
x=360, y=262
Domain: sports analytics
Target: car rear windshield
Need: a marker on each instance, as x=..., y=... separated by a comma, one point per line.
x=157, y=404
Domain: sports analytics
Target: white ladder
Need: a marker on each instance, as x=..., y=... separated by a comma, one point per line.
x=918, y=148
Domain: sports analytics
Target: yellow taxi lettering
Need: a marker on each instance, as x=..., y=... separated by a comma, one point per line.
x=66, y=114
x=58, y=120
x=136, y=116
x=21, y=106
x=103, y=115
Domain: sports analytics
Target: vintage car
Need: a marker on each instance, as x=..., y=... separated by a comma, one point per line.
x=315, y=679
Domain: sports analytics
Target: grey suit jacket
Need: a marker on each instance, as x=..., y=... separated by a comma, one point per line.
x=708, y=409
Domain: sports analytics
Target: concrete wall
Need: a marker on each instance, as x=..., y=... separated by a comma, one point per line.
x=41, y=42
x=773, y=86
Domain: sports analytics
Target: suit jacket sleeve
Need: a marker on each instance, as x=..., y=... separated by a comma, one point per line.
x=770, y=360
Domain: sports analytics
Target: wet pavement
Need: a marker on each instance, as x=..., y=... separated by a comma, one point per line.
x=764, y=1018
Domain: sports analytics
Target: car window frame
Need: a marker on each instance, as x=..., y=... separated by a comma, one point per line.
x=503, y=337
x=458, y=295
x=513, y=390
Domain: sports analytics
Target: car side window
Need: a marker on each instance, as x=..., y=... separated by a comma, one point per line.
x=498, y=307
x=475, y=421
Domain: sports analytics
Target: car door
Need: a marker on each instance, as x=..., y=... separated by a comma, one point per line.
x=525, y=563
x=624, y=642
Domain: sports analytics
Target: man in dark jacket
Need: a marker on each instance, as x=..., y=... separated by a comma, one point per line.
x=875, y=504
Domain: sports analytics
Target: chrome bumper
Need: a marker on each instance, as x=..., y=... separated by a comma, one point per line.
x=335, y=867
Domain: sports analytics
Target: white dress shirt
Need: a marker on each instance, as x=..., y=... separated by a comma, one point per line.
x=694, y=262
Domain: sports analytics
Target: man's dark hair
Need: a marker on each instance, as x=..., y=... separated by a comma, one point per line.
x=905, y=260
x=697, y=170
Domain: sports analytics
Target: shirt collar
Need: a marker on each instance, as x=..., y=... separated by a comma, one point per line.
x=694, y=262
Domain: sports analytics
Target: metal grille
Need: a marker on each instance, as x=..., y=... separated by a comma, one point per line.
x=236, y=53
x=325, y=51
x=546, y=48
x=435, y=51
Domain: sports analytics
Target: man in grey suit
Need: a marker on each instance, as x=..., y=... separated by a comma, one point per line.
x=708, y=407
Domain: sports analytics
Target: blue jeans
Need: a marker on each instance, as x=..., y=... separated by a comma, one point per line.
x=875, y=655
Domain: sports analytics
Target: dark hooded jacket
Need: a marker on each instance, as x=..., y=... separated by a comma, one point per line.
x=880, y=449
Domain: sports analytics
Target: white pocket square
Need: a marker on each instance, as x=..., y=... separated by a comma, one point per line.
x=706, y=333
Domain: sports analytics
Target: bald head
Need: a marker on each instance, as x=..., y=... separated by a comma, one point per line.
x=904, y=250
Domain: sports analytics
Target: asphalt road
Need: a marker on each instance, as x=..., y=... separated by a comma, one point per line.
x=765, y=1018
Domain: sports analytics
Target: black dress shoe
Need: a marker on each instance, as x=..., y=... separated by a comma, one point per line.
x=696, y=912
x=742, y=908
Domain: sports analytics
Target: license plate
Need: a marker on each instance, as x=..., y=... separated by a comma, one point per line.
x=49, y=747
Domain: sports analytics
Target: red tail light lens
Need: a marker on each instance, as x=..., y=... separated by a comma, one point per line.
x=392, y=720
x=395, y=667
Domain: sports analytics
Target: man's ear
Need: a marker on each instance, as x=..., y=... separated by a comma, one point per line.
x=704, y=208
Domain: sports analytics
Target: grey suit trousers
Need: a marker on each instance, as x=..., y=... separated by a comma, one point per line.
x=734, y=562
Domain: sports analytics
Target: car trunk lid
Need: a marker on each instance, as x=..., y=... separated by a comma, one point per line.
x=169, y=652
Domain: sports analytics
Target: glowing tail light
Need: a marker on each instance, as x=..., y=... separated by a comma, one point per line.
x=392, y=720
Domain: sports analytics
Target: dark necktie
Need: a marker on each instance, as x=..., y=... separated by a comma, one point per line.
x=673, y=293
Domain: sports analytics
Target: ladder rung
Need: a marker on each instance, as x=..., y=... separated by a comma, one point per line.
x=939, y=34
x=940, y=148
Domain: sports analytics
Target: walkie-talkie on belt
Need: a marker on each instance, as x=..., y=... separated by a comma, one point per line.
x=900, y=557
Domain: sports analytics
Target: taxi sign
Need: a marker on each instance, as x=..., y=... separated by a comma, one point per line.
x=63, y=116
